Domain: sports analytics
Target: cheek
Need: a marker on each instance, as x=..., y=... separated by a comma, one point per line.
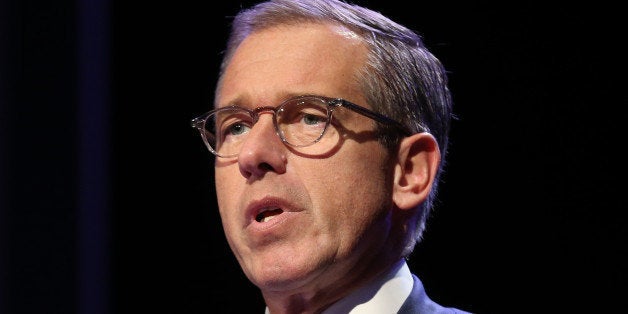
x=360, y=175
x=350, y=189
x=227, y=191
x=226, y=196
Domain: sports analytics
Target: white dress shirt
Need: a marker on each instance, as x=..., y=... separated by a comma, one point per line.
x=385, y=294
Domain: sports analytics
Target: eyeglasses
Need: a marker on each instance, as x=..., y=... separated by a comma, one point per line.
x=300, y=122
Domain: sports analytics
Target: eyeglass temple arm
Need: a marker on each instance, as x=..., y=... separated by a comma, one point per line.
x=373, y=115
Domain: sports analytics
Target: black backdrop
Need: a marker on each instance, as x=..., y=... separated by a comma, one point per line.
x=106, y=191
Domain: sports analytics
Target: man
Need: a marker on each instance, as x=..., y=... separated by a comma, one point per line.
x=330, y=129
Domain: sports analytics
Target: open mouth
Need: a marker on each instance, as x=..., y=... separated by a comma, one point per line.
x=267, y=214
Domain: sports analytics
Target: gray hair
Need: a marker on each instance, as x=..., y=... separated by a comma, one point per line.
x=401, y=78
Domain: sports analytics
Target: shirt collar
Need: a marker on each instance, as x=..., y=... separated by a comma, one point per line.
x=384, y=294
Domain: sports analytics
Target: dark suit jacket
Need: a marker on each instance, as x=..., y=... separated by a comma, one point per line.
x=419, y=303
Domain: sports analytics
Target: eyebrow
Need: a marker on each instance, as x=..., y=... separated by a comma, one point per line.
x=243, y=100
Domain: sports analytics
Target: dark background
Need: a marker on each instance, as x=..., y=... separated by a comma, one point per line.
x=106, y=192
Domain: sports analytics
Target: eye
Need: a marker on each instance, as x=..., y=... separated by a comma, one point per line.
x=237, y=129
x=233, y=126
x=313, y=119
x=302, y=121
x=310, y=113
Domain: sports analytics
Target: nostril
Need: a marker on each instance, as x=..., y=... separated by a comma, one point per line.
x=265, y=167
x=260, y=170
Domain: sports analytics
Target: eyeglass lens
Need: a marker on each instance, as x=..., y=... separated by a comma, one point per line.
x=299, y=122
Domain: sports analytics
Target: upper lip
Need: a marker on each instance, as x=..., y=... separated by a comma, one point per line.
x=268, y=202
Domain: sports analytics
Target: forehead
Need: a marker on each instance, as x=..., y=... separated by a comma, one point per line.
x=287, y=60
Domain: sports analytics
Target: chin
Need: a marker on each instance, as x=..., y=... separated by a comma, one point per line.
x=282, y=278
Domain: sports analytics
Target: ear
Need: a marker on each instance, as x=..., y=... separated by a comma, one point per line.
x=418, y=159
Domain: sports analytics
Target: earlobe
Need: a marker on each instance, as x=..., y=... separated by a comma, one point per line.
x=418, y=159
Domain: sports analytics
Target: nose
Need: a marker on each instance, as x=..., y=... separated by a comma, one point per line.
x=262, y=151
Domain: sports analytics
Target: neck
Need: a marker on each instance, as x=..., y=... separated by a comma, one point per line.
x=316, y=300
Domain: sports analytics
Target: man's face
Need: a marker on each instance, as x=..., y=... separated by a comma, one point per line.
x=326, y=218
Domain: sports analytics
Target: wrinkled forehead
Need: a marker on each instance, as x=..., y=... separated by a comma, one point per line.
x=309, y=58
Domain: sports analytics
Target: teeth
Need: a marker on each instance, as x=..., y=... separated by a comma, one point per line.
x=267, y=214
